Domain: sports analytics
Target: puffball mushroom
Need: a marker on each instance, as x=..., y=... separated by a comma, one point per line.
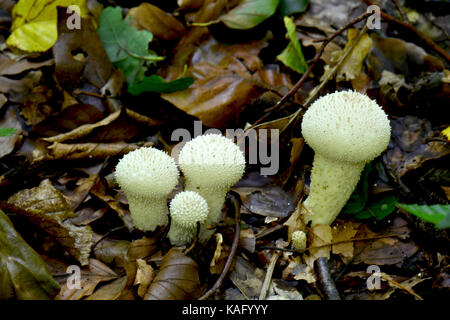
x=147, y=176
x=346, y=130
x=187, y=208
x=211, y=164
x=299, y=240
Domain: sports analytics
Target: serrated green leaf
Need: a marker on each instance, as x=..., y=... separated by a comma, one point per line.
x=292, y=56
x=437, y=213
x=126, y=47
x=249, y=13
x=6, y=132
x=23, y=274
x=156, y=83
x=289, y=7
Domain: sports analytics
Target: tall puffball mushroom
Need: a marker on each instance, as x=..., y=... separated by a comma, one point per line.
x=346, y=130
x=147, y=176
x=211, y=164
x=187, y=208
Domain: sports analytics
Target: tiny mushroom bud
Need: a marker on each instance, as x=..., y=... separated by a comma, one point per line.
x=147, y=176
x=299, y=240
x=346, y=130
x=186, y=209
x=211, y=164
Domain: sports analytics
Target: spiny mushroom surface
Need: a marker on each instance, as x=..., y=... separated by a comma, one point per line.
x=346, y=130
x=211, y=164
x=299, y=240
x=187, y=208
x=147, y=176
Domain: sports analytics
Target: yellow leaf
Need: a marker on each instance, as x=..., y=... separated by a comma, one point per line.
x=34, y=26
x=446, y=133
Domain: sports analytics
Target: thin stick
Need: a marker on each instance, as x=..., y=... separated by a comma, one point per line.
x=418, y=34
x=234, y=246
x=326, y=281
x=316, y=59
x=268, y=278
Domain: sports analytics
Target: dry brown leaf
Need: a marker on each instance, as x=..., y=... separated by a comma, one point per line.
x=47, y=207
x=161, y=24
x=144, y=276
x=177, y=278
x=110, y=291
x=9, y=66
x=19, y=90
x=7, y=144
x=247, y=278
x=343, y=231
x=91, y=276
x=318, y=236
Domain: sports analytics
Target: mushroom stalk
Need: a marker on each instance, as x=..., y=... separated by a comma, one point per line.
x=146, y=216
x=332, y=183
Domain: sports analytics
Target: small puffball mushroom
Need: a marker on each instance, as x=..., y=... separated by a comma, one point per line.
x=346, y=130
x=299, y=240
x=187, y=208
x=211, y=164
x=147, y=176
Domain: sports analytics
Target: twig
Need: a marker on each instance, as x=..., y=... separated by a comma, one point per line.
x=316, y=58
x=326, y=281
x=399, y=8
x=234, y=246
x=392, y=235
x=418, y=34
x=268, y=278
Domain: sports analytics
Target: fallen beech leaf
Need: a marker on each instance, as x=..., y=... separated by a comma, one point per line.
x=320, y=235
x=110, y=291
x=144, y=276
x=95, y=67
x=177, y=278
x=9, y=66
x=23, y=274
x=19, y=90
x=8, y=143
x=247, y=278
x=218, y=100
x=34, y=23
x=352, y=65
x=90, y=277
x=342, y=232
x=249, y=13
x=161, y=24
x=47, y=207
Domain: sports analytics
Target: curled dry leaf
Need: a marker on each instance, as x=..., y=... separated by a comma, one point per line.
x=9, y=66
x=346, y=230
x=90, y=276
x=144, y=276
x=110, y=291
x=47, y=207
x=177, y=278
x=161, y=24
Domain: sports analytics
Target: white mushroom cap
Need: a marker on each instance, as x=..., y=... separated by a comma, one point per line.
x=299, y=240
x=147, y=172
x=346, y=126
x=187, y=208
x=213, y=159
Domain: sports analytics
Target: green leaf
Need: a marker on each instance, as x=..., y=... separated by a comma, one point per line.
x=289, y=7
x=292, y=56
x=23, y=274
x=437, y=214
x=6, y=132
x=126, y=47
x=155, y=83
x=249, y=13
x=379, y=209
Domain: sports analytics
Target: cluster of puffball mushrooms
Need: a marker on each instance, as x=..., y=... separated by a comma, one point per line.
x=211, y=165
x=345, y=129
